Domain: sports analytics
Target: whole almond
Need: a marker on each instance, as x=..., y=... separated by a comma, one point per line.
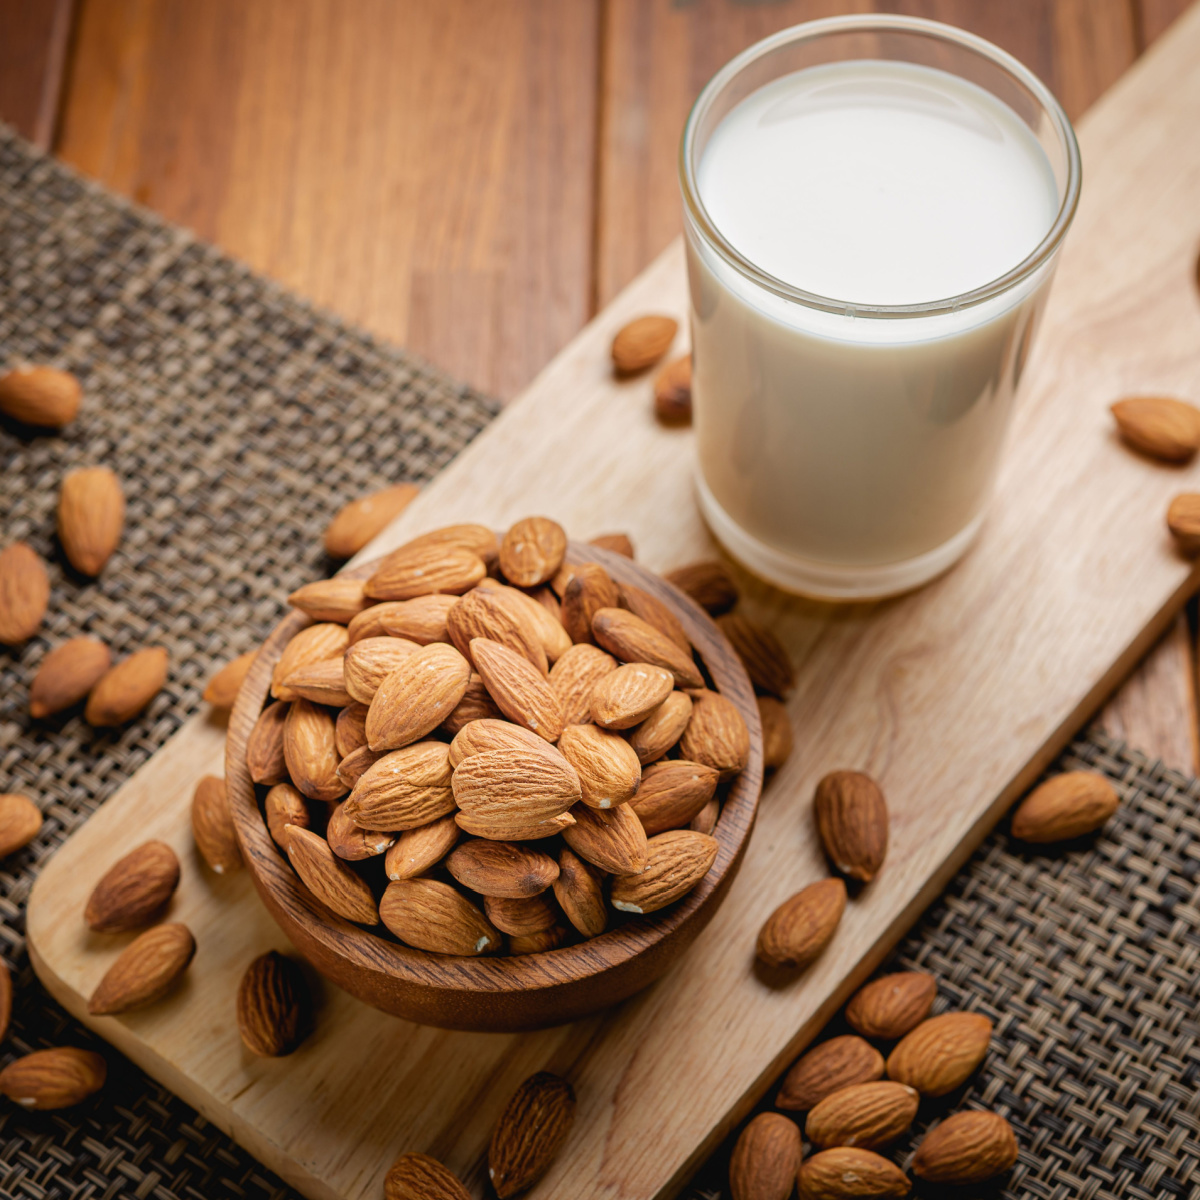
x=422, y=570
x=356, y=523
x=532, y=551
x=478, y=539
x=49, y=1079
x=890, y=1007
x=705, y=821
x=350, y=841
x=522, y=916
x=421, y=620
x=662, y=728
x=285, y=805
x=837, y=1063
x=369, y=622
x=612, y=839
x=966, y=1148
x=20, y=822
x=654, y=612
x=328, y=877
x=317, y=643
x=476, y=705
x=803, y=925
x=339, y=599
x=579, y=891
x=223, y=687
x=631, y=639
x=418, y=1177
x=1067, y=806
x=531, y=1131
x=642, y=342
x=761, y=652
x=320, y=682
x=41, y=396
x=24, y=593
x=709, y=583
x=545, y=624
x=416, y=850
x=66, y=675
x=520, y=690
x=404, y=789
x=417, y=696
x=1183, y=520
x=673, y=392
x=264, y=747
x=134, y=890
x=574, y=677
x=1159, y=426
x=777, y=732
x=125, y=689
x=941, y=1053
x=505, y=794
x=538, y=942
x=848, y=1173
x=618, y=543
x=146, y=970
x=672, y=793
x=852, y=821
x=482, y=614
x=627, y=696
x=675, y=862
x=310, y=751
x=508, y=870
x=870, y=1115
x=370, y=661
x=91, y=514
x=608, y=769
x=357, y=763
x=765, y=1159
x=350, y=729
x=590, y=590
x=488, y=733
x=716, y=735
x=432, y=916
x=273, y=1004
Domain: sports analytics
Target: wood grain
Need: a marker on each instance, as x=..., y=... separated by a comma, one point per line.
x=34, y=35
x=955, y=698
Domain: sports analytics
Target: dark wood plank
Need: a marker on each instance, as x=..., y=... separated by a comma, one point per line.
x=34, y=35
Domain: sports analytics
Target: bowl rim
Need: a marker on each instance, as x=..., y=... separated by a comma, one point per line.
x=364, y=949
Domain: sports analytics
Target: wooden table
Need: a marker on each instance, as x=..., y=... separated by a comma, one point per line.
x=468, y=178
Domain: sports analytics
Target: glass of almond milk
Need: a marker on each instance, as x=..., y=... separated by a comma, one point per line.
x=872, y=206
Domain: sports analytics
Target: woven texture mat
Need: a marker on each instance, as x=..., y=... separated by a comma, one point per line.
x=238, y=420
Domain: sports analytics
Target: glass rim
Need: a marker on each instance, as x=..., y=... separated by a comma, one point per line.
x=813, y=30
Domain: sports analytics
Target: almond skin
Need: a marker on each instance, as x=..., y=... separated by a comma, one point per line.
x=339, y=599
x=777, y=732
x=761, y=652
x=672, y=793
x=618, y=543
x=509, y=870
x=502, y=794
x=350, y=729
x=941, y=1053
x=545, y=624
x=273, y=1003
x=478, y=539
x=1183, y=520
x=415, y=698
x=66, y=675
x=264, y=748
x=539, y=942
x=416, y=850
x=125, y=689
x=765, y=1159
x=654, y=612
x=1160, y=426
x=612, y=840
x=848, y=1173
x=356, y=523
x=356, y=764
x=146, y=970
x=328, y=878
x=574, y=677
x=589, y=590
x=405, y=789
x=531, y=1131
x=966, y=1148
x=476, y=705
x=801, y=927
x=675, y=862
x=134, y=890
x=488, y=733
x=716, y=735
x=662, y=728
x=223, y=687
x=370, y=661
x=852, y=820
x=673, y=392
x=41, y=396
x=432, y=916
x=421, y=620
x=482, y=614
x=49, y=1079
x=321, y=682
x=91, y=515
x=642, y=342
x=310, y=751
x=630, y=639
x=705, y=821
x=20, y=822
x=870, y=1115
x=837, y=1063
x=892, y=1006
x=709, y=583
x=521, y=917
x=421, y=570
x=579, y=892
x=285, y=805
x=1067, y=806
x=212, y=826
x=352, y=843
x=24, y=593
x=532, y=551
x=608, y=769
x=317, y=643
x=418, y=1177
x=627, y=696
x=520, y=690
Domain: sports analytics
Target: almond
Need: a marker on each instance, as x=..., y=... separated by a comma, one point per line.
x=520, y=690
x=285, y=805
x=223, y=687
x=801, y=927
x=417, y=696
x=654, y=612
x=539, y=942
x=339, y=599
x=1183, y=520
x=320, y=682
x=574, y=677
x=642, y=342
x=617, y=543
x=608, y=769
x=212, y=826
x=612, y=840
x=317, y=643
x=672, y=794
x=273, y=1005
x=589, y=591
x=941, y=1053
x=432, y=916
x=523, y=916
x=777, y=732
x=514, y=794
x=709, y=583
x=24, y=593
x=356, y=764
x=662, y=728
x=631, y=639
x=125, y=689
x=870, y=1115
x=134, y=890
x=20, y=822
x=350, y=729
x=1159, y=426
x=417, y=570
x=264, y=747
x=705, y=821
x=673, y=392
x=890, y=1007
x=328, y=877
x=627, y=696
x=146, y=970
x=476, y=705
x=716, y=735
x=675, y=862
x=66, y=675
x=418, y=1177
x=531, y=1131
x=310, y=751
x=41, y=396
x=532, y=551
x=478, y=539
x=490, y=734
x=91, y=514
x=765, y=1159
x=370, y=661
x=356, y=523
x=352, y=843
x=761, y=652
x=1067, y=806
x=421, y=620
x=482, y=614
x=508, y=870
x=562, y=580
x=838, y=1063
x=416, y=850
x=579, y=892
x=852, y=821
x=405, y=789
x=542, y=621
x=369, y=622
x=58, y=1078
x=966, y=1148
x=848, y=1173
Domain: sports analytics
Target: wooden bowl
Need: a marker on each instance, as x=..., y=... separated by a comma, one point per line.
x=528, y=991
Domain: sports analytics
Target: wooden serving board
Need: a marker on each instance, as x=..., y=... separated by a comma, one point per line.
x=955, y=698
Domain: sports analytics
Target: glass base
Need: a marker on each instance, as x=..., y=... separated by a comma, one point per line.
x=830, y=581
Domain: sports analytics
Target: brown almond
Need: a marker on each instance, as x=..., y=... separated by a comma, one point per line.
x=476, y=705
x=892, y=1006
x=421, y=620
x=608, y=769
x=709, y=583
x=848, y=1173
x=765, y=1159
x=532, y=551
x=540, y=941
x=617, y=543
x=654, y=612
x=404, y=789
x=320, y=682
x=350, y=729
x=66, y=675
x=432, y=916
x=422, y=570
x=416, y=1176
x=1067, y=806
x=672, y=794
x=612, y=839
x=675, y=862
x=523, y=915
x=716, y=735
x=520, y=690
x=212, y=826
x=357, y=522
x=1160, y=426
x=574, y=677
x=1183, y=520
x=504, y=794
x=223, y=687
x=134, y=890
x=20, y=822
x=273, y=1005
x=627, y=696
x=673, y=392
x=91, y=515
x=803, y=925
x=631, y=639
x=339, y=599
x=310, y=751
x=531, y=1131
x=837, y=1063
x=590, y=590
x=146, y=970
x=966, y=1148
x=941, y=1053
x=642, y=342
x=777, y=732
x=870, y=1115
x=357, y=763
x=370, y=622
x=415, y=698
x=352, y=843
x=490, y=734
x=328, y=878
x=125, y=689
x=24, y=593
x=264, y=747
x=478, y=539
x=662, y=728
x=416, y=850
x=508, y=870
x=368, y=662
x=543, y=621
x=579, y=892
x=761, y=652
x=57, y=1078
x=285, y=805
x=317, y=643
x=482, y=614
x=852, y=821
x=41, y=396
x=705, y=821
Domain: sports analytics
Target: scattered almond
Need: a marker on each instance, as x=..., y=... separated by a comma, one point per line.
x=1067, y=806
x=145, y=971
x=848, y=1173
x=941, y=1053
x=892, y=1006
x=328, y=877
x=125, y=689
x=66, y=675
x=608, y=768
x=356, y=523
x=418, y=1177
x=339, y=599
x=579, y=891
x=672, y=794
x=24, y=593
x=870, y=1115
x=49, y=1079
x=765, y=1159
x=417, y=696
x=709, y=583
x=285, y=805
x=761, y=652
x=675, y=862
x=265, y=759
x=801, y=927
x=91, y=514
x=1183, y=520
x=432, y=916
x=41, y=396
x=223, y=687
x=612, y=839
x=20, y=822
x=642, y=342
x=627, y=696
x=532, y=551
x=837, y=1063
x=134, y=890
x=272, y=1005
x=1159, y=426
x=531, y=1131
x=673, y=392
x=716, y=735
x=415, y=851
x=852, y=820
x=966, y=1148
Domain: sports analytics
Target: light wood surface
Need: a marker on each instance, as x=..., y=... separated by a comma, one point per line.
x=955, y=698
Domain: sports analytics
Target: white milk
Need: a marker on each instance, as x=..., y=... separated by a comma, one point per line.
x=842, y=453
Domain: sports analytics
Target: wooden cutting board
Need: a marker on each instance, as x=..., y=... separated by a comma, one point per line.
x=955, y=698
